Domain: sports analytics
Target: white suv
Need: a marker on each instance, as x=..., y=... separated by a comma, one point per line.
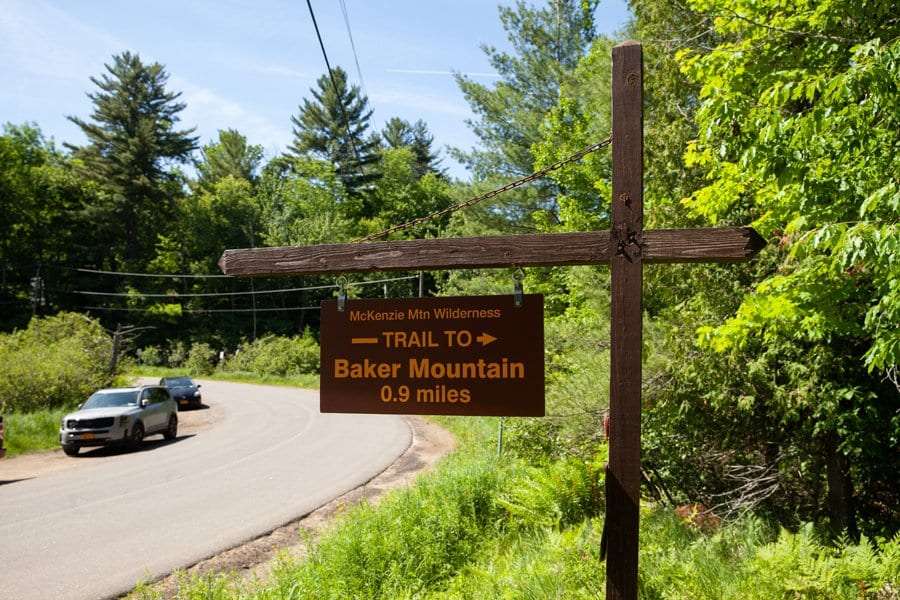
x=123, y=415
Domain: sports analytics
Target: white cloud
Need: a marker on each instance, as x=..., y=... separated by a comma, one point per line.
x=429, y=103
x=434, y=72
x=45, y=41
x=274, y=70
x=212, y=111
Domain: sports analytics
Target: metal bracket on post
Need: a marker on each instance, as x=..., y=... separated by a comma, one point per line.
x=342, y=294
x=518, y=294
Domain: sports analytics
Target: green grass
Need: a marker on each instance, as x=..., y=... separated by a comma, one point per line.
x=34, y=431
x=308, y=381
x=482, y=528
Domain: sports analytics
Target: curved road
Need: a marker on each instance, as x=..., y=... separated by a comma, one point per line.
x=94, y=530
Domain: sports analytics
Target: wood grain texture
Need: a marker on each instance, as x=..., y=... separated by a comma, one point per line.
x=552, y=249
x=623, y=481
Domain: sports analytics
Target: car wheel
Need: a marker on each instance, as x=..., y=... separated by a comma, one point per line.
x=172, y=430
x=71, y=450
x=137, y=435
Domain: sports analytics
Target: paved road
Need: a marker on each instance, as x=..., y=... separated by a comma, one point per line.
x=95, y=530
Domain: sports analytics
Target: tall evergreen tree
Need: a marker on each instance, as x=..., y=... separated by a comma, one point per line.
x=230, y=155
x=333, y=126
x=399, y=133
x=132, y=142
x=547, y=44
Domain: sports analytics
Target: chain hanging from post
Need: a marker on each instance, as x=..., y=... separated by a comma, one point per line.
x=486, y=196
x=342, y=294
x=518, y=291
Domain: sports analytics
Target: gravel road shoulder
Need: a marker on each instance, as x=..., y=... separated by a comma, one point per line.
x=38, y=464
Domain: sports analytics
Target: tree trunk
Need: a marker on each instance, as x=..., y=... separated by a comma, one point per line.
x=840, y=489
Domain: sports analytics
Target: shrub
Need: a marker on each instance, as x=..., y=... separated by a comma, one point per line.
x=557, y=495
x=152, y=356
x=200, y=360
x=278, y=355
x=178, y=354
x=56, y=361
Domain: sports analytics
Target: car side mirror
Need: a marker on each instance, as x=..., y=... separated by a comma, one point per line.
x=199, y=386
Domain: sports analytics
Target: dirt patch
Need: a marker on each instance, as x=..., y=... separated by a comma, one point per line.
x=38, y=464
x=255, y=559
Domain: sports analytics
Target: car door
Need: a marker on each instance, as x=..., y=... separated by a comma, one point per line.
x=167, y=406
x=150, y=411
x=160, y=414
x=148, y=408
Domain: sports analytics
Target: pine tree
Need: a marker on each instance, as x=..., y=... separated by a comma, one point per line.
x=399, y=133
x=132, y=141
x=547, y=43
x=231, y=155
x=333, y=126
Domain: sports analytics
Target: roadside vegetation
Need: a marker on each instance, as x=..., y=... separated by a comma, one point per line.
x=308, y=381
x=271, y=359
x=46, y=370
x=483, y=527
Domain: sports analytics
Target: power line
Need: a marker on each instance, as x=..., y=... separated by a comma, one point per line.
x=250, y=293
x=160, y=275
x=201, y=310
x=362, y=83
x=201, y=294
x=495, y=192
x=333, y=83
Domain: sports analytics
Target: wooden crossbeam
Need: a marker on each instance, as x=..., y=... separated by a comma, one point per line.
x=725, y=244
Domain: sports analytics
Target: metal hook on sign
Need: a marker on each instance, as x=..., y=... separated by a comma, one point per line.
x=342, y=294
x=518, y=294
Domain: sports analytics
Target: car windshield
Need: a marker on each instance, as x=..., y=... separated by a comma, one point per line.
x=112, y=398
x=179, y=382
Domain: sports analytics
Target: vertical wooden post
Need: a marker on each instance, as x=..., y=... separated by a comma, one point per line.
x=623, y=479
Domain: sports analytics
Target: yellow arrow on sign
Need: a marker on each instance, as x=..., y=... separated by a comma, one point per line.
x=485, y=339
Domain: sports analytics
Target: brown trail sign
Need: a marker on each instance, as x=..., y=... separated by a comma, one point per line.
x=465, y=356
x=625, y=248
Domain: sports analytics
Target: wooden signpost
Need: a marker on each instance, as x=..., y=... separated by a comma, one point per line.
x=626, y=247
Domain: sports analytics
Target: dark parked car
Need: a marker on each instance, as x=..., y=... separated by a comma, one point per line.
x=184, y=391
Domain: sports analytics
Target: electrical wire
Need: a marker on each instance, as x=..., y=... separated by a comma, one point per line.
x=201, y=294
x=251, y=293
x=200, y=310
x=495, y=192
x=161, y=275
x=362, y=83
x=333, y=83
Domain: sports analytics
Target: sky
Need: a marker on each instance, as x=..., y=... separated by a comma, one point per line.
x=247, y=64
